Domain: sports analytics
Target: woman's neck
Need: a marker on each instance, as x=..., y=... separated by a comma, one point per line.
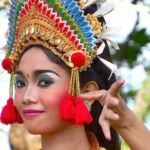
x=72, y=138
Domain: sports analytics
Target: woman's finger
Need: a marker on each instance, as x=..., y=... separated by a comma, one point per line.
x=94, y=95
x=114, y=89
x=110, y=115
x=112, y=102
x=106, y=128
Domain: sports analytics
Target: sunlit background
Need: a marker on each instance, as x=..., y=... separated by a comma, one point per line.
x=131, y=20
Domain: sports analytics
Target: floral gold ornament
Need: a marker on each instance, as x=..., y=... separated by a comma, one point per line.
x=82, y=2
x=96, y=25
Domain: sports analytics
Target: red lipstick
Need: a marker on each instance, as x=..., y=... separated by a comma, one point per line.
x=32, y=112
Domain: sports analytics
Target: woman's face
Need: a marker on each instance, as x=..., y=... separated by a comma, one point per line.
x=40, y=87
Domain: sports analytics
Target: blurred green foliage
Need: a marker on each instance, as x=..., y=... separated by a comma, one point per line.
x=131, y=48
x=146, y=98
x=124, y=146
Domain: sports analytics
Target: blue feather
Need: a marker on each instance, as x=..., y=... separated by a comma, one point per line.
x=80, y=20
x=82, y=25
x=67, y=2
x=74, y=10
x=86, y=29
x=89, y=34
x=77, y=14
x=71, y=6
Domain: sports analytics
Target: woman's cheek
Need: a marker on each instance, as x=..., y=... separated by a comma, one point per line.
x=18, y=101
x=55, y=97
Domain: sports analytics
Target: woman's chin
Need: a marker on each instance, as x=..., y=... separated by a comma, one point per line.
x=34, y=130
x=44, y=130
x=39, y=129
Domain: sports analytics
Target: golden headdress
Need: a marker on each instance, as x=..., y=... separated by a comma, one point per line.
x=63, y=28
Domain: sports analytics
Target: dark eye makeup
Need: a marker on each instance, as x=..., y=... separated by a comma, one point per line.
x=19, y=82
x=44, y=81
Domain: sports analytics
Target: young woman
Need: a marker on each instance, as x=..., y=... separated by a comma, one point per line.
x=37, y=100
x=47, y=81
x=47, y=61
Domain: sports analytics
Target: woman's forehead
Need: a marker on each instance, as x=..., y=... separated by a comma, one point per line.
x=34, y=56
x=35, y=61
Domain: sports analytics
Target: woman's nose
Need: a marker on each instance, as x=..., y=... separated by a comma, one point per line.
x=30, y=95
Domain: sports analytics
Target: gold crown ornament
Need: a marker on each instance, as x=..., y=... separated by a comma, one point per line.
x=62, y=27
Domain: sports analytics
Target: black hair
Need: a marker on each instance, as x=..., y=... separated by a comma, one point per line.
x=99, y=73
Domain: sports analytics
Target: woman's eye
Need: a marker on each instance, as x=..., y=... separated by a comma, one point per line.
x=19, y=84
x=45, y=82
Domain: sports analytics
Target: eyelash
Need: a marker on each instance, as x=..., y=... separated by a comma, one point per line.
x=20, y=84
x=46, y=82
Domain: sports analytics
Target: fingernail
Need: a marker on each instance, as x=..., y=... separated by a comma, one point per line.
x=109, y=138
x=121, y=81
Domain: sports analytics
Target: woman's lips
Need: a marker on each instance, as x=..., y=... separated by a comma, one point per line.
x=32, y=112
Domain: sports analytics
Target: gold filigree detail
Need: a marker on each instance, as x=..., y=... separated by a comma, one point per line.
x=96, y=25
x=81, y=3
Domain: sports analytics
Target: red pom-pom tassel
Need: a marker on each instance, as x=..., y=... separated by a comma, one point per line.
x=75, y=111
x=83, y=115
x=67, y=108
x=7, y=64
x=9, y=113
x=78, y=59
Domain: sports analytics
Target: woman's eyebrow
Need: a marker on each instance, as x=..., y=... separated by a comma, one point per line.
x=19, y=73
x=38, y=72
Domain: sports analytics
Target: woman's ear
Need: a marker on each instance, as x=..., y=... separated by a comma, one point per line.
x=90, y=86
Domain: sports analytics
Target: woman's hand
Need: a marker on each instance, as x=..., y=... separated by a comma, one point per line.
x=115, y=113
